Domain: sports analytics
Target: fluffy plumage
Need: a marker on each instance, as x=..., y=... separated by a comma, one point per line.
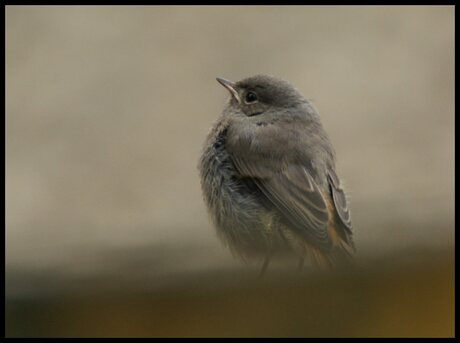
x=268, y=176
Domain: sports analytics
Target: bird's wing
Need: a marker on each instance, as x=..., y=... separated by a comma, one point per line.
x=293, y=191
x=340, y=201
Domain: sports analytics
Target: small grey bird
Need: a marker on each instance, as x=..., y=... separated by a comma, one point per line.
x=268, y=177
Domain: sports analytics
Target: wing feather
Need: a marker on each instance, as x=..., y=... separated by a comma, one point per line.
x=340, y=200
x=293, y=192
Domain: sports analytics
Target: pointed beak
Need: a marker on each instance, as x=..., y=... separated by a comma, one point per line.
x=230, y=86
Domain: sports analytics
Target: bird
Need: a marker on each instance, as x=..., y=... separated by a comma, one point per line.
x=269, y=180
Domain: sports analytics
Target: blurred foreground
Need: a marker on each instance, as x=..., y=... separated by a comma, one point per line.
x=410, y=296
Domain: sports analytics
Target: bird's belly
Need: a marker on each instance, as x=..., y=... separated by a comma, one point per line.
x=237, y=210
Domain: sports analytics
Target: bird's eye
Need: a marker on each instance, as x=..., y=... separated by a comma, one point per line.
x=250, y=97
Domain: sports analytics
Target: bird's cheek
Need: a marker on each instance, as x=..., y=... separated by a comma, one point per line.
x=254, y=110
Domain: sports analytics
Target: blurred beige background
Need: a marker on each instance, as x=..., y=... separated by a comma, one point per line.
x=107, y=109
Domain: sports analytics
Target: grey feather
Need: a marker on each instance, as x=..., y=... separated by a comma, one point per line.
x=295, y=194
x=340, y=201
x=267, y=175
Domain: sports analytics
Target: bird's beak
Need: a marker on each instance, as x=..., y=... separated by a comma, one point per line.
x=230, y=86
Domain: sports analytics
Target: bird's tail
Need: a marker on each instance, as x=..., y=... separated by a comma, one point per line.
x=341, y=256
